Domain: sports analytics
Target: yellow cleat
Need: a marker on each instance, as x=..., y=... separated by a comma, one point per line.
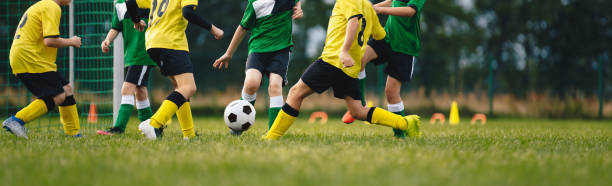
x=414, y=126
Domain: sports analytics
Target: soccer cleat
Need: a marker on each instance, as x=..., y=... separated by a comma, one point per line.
x=348, y=118
x=149, y=131
x=414, y=124
x=110, y=131
x=15, y=126
x=197, y=135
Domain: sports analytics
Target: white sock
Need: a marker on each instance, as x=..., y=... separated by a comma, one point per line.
x=127, y=99
x=143, y=104
x=362, y=75
x=398, y=107
x=249, y=97
x=276, y=101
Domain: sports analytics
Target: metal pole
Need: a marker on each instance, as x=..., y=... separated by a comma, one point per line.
x=117, y=74
x=71, y=49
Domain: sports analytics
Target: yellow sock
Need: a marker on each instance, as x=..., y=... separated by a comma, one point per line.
x=185, y=120
x=69, y=117
x=384, y=117
x=34, y=110
x=163, y=114
x=282, y=122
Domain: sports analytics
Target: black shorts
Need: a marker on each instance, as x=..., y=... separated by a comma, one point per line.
x=275, y=62
x=320, y=76
x=46, y=84
x=400, y=66
x=137, y=75
x=171, y=62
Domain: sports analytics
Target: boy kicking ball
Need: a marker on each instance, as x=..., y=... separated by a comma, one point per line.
x=32, y=56
x=269, y=48
x=398, y=49
x=351, y=22
x=137, y=67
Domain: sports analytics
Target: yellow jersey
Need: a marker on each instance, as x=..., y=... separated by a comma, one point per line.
x=166, y=23
x=28, y=52
x=369, y=25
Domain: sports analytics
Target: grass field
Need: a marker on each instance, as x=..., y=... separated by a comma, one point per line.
x=503, y=152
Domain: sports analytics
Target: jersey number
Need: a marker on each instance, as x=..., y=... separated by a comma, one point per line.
x=163, y=6
x=360, y=35
x=24, y=19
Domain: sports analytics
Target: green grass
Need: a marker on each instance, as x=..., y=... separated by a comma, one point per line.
x=503, y=152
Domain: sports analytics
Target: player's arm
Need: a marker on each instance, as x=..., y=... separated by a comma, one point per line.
x=351, y=33
x=297, y=11
x=385, y=9
x=132, y=8
x=110, y=37
x=224, y=60
x=386, y=3
x=191, y=16
x=58, y=42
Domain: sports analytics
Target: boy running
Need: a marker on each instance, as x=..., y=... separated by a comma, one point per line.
x=399, y=49
x=166, y=44
x=351, y=22
x=137, y=67
x=269, y=48
x=32, y=57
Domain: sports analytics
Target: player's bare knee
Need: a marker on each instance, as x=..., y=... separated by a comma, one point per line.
x=359, y=113
x=275, y=88
x=141, y=93
x=59, y=99
x=251, y=86
x=68, y=90
x=128, y=89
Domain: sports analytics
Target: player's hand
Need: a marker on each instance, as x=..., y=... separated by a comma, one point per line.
x=76, y=41
x=140, y=26
x=222, y=61
x=377, y=9
x=217, y=32
x=297, y=13
x=346, y=59
x=105, y=46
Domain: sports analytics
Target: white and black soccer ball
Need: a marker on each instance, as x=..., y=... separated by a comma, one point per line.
x=239, y=116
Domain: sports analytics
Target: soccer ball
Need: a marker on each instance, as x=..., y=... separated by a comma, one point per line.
x=239, y=116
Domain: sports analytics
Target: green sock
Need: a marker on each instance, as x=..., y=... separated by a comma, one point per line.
x=125, y=111
x=362, y=87
x=272, y=113
x=144, y=113
x=397, y=132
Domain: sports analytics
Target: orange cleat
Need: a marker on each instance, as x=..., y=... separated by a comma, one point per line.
x=347, y=118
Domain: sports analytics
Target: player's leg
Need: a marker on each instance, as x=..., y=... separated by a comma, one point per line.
x=277, y=74
x=369, y=55
x=400, y=69
x=69, y=115
x=408, y=124
x=143, y=105
x=289, y=112
x=47, y=87
x=252, y=80
x=275, y=90
x=394, y=100
x=176, y=65
x=184, y=116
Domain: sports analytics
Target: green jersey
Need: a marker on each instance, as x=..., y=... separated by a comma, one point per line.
x=133, y=41
x=404, y=33
x=270, y=24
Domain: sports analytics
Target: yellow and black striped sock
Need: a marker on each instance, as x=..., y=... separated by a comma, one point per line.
x=283, y=121
x=167, y=109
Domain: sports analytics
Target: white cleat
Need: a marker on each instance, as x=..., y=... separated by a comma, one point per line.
x=16, y=126
x=148, y=130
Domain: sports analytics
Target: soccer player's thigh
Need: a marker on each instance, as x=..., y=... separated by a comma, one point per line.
x=277, y=68
x=376, y=51
x=176, y=64
x=297, y=93
x=317, y=78
x=400, y=69
x=45, y=85
x=134, y=75
x=347, y=88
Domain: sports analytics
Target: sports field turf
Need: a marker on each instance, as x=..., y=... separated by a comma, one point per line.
x=503, y=152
